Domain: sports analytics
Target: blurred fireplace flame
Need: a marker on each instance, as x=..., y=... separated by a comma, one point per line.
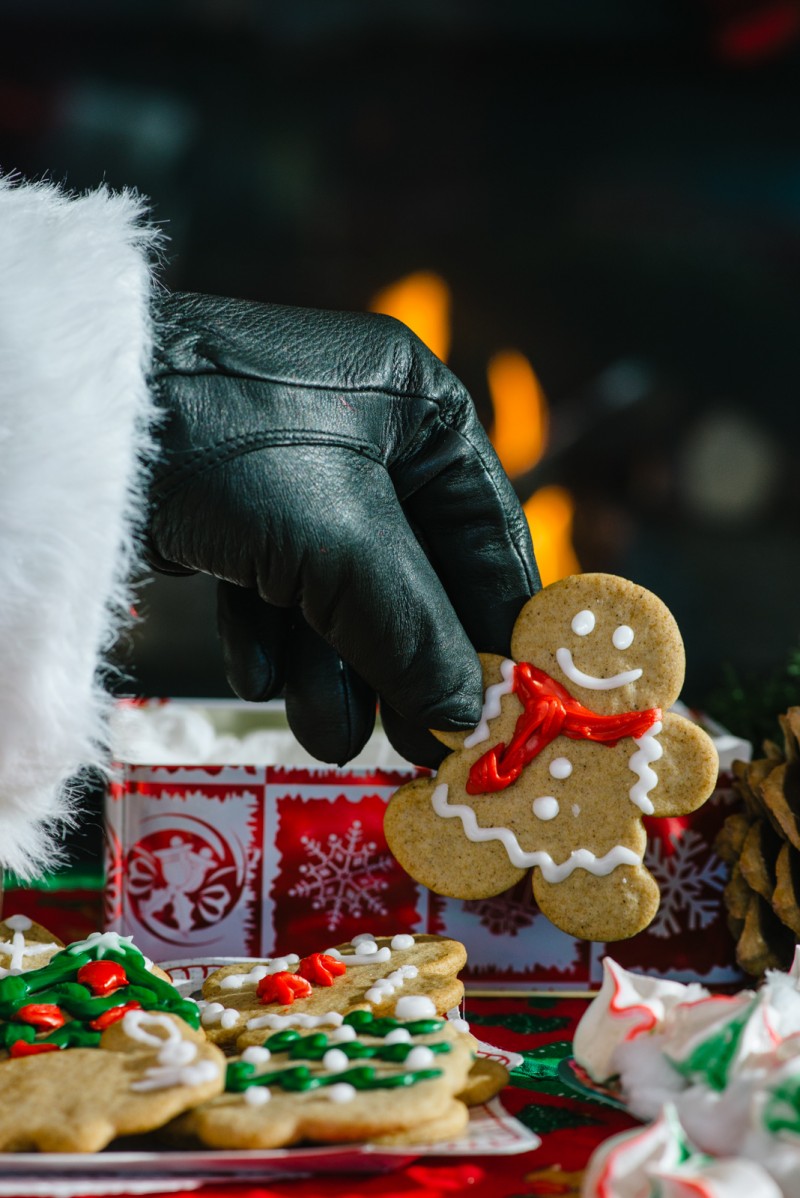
x=519, y=432
x=549, y=512
x=422, y=300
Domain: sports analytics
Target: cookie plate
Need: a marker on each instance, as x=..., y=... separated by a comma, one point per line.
x=491, y=1132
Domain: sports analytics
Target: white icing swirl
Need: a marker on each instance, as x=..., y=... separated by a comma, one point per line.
x=648, y=750
x=235, y=981
x=491, y=704
x=552, y=871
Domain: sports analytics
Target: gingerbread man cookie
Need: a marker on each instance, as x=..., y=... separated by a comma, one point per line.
x=575, y=745
x=147, y=1067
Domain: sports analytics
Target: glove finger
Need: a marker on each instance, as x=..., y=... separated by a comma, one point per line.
x=255, y=641
x=330, y=709
x=474, y=529
x=374, y=596
x=413, y=743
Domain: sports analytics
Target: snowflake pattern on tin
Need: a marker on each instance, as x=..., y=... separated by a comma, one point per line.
x=690, y=880
x=504, y=914
x=343, y=877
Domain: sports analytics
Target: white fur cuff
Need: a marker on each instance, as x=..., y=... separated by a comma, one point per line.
x=75, y=342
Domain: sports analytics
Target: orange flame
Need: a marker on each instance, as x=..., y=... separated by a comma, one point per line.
x=549, y=512
x=519, y=433
x=422, y=301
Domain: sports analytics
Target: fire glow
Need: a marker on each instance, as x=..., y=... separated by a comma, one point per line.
x=519, y=432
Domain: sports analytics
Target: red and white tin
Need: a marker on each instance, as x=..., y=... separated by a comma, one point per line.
x=249, y=860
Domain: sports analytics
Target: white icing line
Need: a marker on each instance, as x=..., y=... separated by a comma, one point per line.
x=370, y=957
x=491, y=704
x=17, y=950
x=552, y=872
x=590, y=681
x=279, y=1022
x=648, y=750
x=235, y=981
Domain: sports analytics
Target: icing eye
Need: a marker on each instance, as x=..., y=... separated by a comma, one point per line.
x=623, y=637
x=583, y=623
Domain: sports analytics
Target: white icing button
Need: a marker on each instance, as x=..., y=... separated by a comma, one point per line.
x=560, y=767
x=576, y=809
x=343, y=1034
x=400, y=1035
x=256, y=1055
x=402, y=941
x=335, y=1061
x=420, y=1058
x=257, y=1095
x=414, y=1006
x=229, y=1018
x=233, y=981
x=545, y=807
x=341, y=1092
x=583, y=623
x=211, y=1014
x=622, y=637
x=361, y=937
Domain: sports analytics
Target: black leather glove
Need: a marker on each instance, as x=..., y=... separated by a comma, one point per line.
x=332, y=472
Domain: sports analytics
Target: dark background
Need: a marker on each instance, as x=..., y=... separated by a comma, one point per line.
x=610, y=186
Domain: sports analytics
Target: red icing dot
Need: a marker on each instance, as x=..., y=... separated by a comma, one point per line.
x=112, y=1015
x=45, y=1016
x=321, y=969
x=20, y=1048
x=102, y=977
x=283, y=987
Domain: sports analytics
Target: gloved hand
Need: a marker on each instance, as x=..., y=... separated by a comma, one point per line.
x=332, y=473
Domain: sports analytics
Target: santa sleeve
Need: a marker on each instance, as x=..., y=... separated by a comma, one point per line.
x=75, y=415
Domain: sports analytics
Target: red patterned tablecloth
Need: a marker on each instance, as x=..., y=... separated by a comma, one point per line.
x=540, y=1028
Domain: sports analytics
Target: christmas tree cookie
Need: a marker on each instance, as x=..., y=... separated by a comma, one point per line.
x=390, y=1079
x=97, y=1043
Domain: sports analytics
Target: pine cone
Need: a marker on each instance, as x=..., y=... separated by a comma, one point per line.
x=761, y=843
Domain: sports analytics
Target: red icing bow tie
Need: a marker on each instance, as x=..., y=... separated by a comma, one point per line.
x=550, y=711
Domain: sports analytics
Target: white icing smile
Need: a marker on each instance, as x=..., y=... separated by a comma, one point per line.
x=591, y=681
